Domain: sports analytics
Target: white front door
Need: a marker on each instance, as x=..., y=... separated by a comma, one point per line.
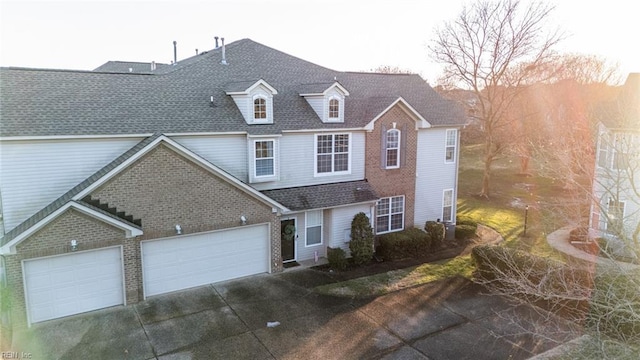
x=63, y=285
x=186, y=261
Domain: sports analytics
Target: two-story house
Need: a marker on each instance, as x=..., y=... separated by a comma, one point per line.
x=128, y=182
x=615, y=209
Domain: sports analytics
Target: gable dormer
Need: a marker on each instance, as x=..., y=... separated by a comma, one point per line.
x=327, y=100
x=254, y=99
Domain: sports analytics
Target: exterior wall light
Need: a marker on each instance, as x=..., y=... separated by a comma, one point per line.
x=178, y=229
x=243, y=219
x=74, y=245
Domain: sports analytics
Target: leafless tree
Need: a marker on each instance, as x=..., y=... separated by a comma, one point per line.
x=388, y=69
x=495, y=50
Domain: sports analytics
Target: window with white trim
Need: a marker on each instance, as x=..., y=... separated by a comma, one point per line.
x=447, y=205
x=332, y=153
x=334, y=109
x=260, y=108
x=313, y=223
x=450, y=146
x=390, y=214
x=264, y=158
x=393, y=149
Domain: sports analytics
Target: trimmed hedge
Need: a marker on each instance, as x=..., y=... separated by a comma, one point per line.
x=407, y=243
x=464, y=232
x=337, y=259
x=436, y=232
x=361, y=244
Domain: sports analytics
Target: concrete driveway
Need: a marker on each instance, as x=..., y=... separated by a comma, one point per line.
x=443, y=320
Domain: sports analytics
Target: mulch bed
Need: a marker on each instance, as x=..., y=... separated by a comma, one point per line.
x=378, y=266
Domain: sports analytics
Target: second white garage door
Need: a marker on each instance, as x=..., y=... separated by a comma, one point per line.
x=192, y=260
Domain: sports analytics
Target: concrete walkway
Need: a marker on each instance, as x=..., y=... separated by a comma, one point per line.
x=559, y=240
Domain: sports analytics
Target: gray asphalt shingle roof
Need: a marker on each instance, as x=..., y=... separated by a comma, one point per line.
x=323, y=196
x=176, y=99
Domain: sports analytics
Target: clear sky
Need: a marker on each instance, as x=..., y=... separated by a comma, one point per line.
x=352, y=35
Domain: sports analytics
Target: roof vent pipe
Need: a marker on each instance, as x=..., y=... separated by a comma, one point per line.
x=175, y=52
x=153, y=66
x=224, y=55
x=216, y=41
x=196, y=51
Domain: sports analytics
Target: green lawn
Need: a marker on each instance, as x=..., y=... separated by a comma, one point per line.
x=504, y=211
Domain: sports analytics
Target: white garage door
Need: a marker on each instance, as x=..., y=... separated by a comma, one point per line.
x=64, y=285
x=193, y=260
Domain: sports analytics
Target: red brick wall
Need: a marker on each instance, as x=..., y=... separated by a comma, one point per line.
x=392, y=182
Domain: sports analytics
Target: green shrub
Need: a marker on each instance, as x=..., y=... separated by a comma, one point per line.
x=464, y=232
x=337, y=259
x=361, y=244
x=407, y=243
x=463, y=220
x=435, y=230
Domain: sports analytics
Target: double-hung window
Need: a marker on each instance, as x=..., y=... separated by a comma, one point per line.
x=390, y=214
x=447, y=205
x=450, y=146
x=393, y=149
x=264, y=158
x=332, y=153
x=314, y=228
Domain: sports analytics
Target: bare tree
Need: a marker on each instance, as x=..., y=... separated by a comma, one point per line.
x=495, y=49
x=388, y=69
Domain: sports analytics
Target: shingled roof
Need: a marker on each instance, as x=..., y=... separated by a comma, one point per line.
x=176, y=98
x=624, y=111
x=323, y=196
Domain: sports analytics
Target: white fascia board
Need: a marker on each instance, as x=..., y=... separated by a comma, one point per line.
x=207, y=133
x=73, y=137
x=188, y=154
x=130, y=231
x=291, y=212
x=420, y=121
x=339, y=87
x=263, y=136
x=336, y=130
x=255, y=85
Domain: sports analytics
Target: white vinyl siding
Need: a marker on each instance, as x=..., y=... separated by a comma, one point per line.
x=433, y=176
x=227, y=152
x=35, y=173
x=297, y=168
x=341, y=219
x=313, y=224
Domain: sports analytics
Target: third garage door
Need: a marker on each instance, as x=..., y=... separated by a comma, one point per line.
x=192, y=260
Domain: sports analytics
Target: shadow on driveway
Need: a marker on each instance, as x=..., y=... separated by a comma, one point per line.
x=449, y=319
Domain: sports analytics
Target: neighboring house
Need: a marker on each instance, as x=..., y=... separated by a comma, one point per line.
x=132, y=181
x=615, y=211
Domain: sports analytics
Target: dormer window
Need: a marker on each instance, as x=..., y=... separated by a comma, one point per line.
x=326, y=99
x=334, y=109
x=254, y=99
x=259, y=108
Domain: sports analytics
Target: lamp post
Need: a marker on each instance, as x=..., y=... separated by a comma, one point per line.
x=526, y=215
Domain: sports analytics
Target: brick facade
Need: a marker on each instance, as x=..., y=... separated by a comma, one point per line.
x=163, y=189
x=393, y=182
